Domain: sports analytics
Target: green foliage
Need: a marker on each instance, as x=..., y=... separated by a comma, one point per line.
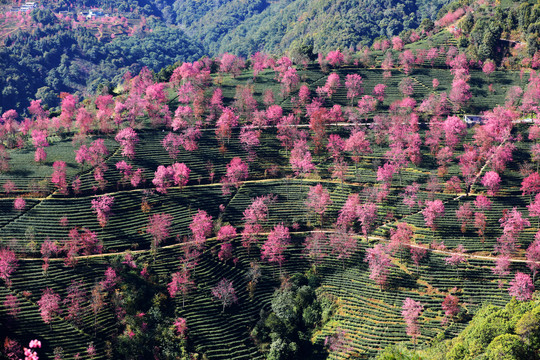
x=296, y=313
x=494, y=333
x=58, y=58
x=507, y=347
x=246, y=27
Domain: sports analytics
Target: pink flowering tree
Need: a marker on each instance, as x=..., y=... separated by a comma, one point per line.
x=48, y=248
x=521, y=287
x=225, y=234
x=74, y=302
x=353, y=84
x=159, y=228
x=127, y=138
x=531, y=184
x=273, y=248
x=533, y=255
x=180, y=283
x=457, y=257
x=433, y=210
x=49, y=305
x=400, y=237
x=335, y=58
x=225, y=124
x=492, y=181
x=102, y=207
x=379, y=91
x=513, y=223
x=201, y=227
x=300, y=159
x=225, y=293
x=411, y=312
x=358, y=145
x=166, y=176
x=464, y=214
x=450, y=306
x=380, y=262
x=254, y=216
x=318, y=200
x=237, y=171
x=19, y=204
x=534, y=209
x=59, y=177
x=8, y=265
x=316, y=247
x=39, y=140
x=180, y=326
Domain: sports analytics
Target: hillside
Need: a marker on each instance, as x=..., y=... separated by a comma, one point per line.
x=121, y=284
x=244, y=28
x=380, y=202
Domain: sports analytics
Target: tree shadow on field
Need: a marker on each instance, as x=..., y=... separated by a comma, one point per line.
x=20, y=173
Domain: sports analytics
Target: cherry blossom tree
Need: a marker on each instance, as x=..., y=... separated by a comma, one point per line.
x=316, y=247
x=8, y=264
x=521, y=287
x=158, y=227
x=533, y=255
x=127, y=138
x=367, y=215
x=465, y=215
x=111, y=279
x=102, y=207
x=343, y=244
x=417, y=254
x=358, y=145
x=49, y=305
x=225, y=123
x=225, y=293
x=379, y=262
x=254, y=215
x=58, y=177
x=237, y=171
x=335, y=58
x=318, y=200
x=300, y=159
x=457, y=257
x=460, y=93
x=531, y=184
x=400, y=237
x=353, y=83
x=488, y=68
x=513, y=224
x=491, y=181
x=201, y=227
x=534, y=209
x=278, y=240
x=450, y=305
x=180, y=283
x=166, y=176
x=480, y=223
x=76, y=295
x=19, y=204
x=433, y=210
x=180, y=325
x=411, y=312
x=454, y=130
x=378, y=92
x=39, y=139
x=482, y=202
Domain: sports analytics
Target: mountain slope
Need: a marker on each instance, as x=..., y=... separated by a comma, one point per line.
x=244, y=28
